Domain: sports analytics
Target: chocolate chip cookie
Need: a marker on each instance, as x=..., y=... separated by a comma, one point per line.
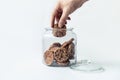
x=60, y=55
x=59, y=32
x=66, y=63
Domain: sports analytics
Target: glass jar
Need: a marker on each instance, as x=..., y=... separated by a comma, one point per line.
x=59, y=50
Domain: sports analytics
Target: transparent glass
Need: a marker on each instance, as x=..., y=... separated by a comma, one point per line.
x=87, y=66
x=49, y=39
x=50, y=58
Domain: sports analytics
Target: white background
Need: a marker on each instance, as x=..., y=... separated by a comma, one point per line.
x=22, y=22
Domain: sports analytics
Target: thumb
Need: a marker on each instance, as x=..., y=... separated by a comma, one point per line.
x=63, y=18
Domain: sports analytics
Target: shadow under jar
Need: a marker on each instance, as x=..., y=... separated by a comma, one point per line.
x=59, y=51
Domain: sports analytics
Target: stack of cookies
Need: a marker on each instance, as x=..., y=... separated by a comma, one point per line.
x=61, y=54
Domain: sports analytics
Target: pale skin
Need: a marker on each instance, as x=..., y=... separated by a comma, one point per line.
x=63, y=9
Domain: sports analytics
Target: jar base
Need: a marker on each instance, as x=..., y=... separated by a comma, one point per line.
x=67, y=64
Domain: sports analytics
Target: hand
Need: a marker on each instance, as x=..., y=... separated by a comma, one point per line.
x=63, y=9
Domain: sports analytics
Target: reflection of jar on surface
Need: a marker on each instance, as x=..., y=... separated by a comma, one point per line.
x=59, y=50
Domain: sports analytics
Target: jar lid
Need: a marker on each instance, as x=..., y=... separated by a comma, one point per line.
x=87, y=66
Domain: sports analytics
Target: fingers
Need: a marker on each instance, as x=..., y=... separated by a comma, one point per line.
x=53, y=19
x=55, y=11
x=63, y=18
x=58, y=16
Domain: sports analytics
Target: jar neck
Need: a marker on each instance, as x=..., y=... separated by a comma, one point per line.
x=67, y=29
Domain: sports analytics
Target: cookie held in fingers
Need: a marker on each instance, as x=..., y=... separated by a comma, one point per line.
x=49, y=57
x=59, y=32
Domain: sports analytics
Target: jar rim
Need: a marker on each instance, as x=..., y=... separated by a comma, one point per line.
x=67, y=29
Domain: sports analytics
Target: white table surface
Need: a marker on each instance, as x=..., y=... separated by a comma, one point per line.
x=30, y=67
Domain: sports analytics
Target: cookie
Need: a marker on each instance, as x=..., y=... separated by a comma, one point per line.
x=64, y=63
x=60, y=55
x=54, y=49
x=71, y=50
x=55, y=45
x=69, y=46
x=59, y=32
x=49, y=57
x=67, y=43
